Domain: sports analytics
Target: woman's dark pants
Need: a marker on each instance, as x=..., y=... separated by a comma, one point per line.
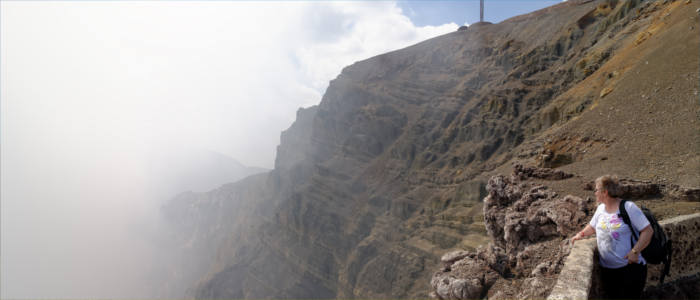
x=624, y=283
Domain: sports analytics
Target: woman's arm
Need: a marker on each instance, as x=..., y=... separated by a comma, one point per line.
x=644, y=239
x=588, y=230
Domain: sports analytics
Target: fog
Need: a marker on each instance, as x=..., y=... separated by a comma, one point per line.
x=108, y=109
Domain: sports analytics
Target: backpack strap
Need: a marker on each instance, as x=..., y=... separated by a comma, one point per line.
x=626, y=218
x=667, y=261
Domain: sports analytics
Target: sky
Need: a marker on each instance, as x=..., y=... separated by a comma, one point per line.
x=94, y=94
x=464, y=12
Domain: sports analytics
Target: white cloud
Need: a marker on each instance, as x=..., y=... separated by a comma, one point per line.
x=367, y=29
x=91, y=90
x=210, y=74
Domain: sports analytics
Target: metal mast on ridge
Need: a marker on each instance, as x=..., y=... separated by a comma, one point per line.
x=481, y=14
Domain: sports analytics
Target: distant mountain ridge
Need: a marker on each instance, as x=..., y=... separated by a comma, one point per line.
x=387, y=173
x=197, y=170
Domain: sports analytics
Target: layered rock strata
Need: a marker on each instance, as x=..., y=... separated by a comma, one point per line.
x=372, y=186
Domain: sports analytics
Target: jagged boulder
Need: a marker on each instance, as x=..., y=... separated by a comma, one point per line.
x=683, y=193
x=631, y=189
x=470, y=276
x=523, y=173
x=534, y=216
x=528, y=224
x=449, y=258
x=501, y=193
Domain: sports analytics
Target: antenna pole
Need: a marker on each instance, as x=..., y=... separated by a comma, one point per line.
x=481, y=15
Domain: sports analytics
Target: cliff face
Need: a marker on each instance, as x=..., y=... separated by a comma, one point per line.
x=387, y=173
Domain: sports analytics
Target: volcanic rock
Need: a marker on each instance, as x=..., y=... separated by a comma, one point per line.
x=372, y=186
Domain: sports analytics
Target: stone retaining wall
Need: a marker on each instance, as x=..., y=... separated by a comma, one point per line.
x=579, y=276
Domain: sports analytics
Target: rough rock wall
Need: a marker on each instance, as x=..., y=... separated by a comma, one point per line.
x=517, y=215
x=528, y=225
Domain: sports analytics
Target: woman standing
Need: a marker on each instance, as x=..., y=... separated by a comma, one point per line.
x=624, y=270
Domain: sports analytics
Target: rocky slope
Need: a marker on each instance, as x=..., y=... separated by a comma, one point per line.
x=372, y=186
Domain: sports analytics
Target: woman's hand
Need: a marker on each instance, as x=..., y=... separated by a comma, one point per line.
x=644, y=239
x=632, y=257
x=577, y=237
x=588, y=230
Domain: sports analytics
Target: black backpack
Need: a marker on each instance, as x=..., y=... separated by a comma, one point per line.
x=659, y=248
